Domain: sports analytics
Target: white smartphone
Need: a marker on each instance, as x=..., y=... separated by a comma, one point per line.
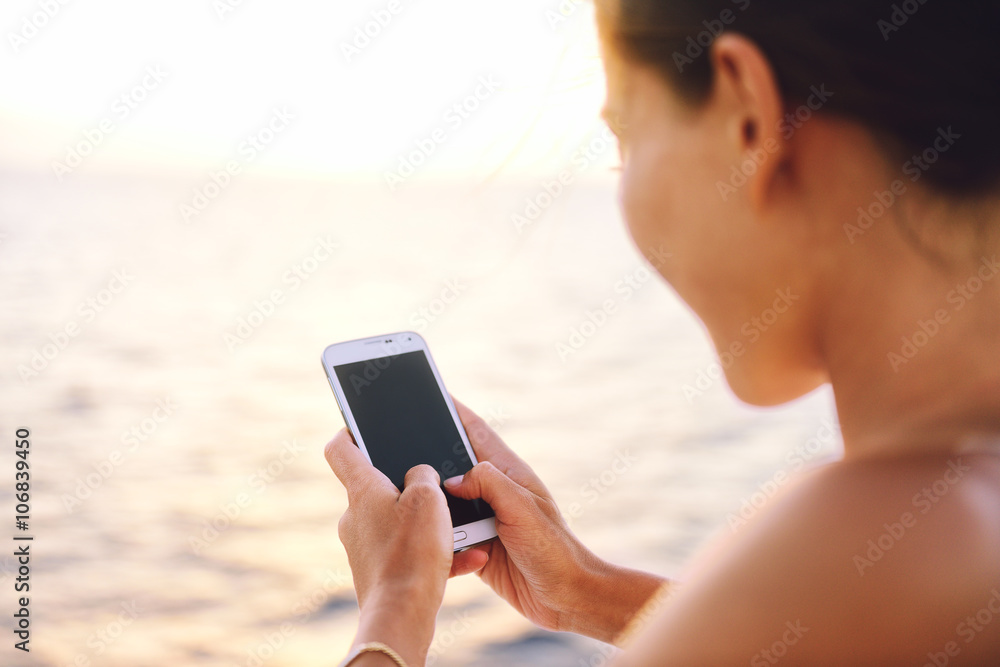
x=400, y=415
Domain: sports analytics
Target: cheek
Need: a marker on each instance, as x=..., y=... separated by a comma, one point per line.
x=654, y=198
x=671, y=205
x=646, y=203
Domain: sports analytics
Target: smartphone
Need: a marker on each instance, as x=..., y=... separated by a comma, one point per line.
x=400, y=415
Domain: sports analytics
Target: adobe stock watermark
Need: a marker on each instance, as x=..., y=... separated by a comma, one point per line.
x=333, y=582
x=271, y=643
x=648, y=612
x=550, y=190
x=364, y=35
x=32, y=24
x=266, y=306
x=971, y=627
x=366, y=373
x=795, y=460
x=495, y=418
x=457, y=114
x=248, y=150
x=958, y=299
x=595, y=320
x=601, y=657
x=562, y=12
x=898, y=17
x=594, y=488
x=103, y=638
x=257, y=482
x=792, y=122
x=752, y=330
x=88, y=310
x=698, y=44
x=436, y=307
x=923, y=501
x=772, y=655
x=223, y=8
x=915, y=168
x=447, y=634
x=104, y=469
x=121, y=109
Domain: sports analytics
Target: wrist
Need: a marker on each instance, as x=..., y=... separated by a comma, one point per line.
x=608, y=599
x=403, y=620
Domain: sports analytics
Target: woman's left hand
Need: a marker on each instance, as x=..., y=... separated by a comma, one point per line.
x=399, y=546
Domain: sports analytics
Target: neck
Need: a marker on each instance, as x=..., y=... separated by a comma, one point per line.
x=912, y=350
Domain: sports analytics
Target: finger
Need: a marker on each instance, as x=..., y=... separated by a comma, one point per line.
x=467, y=562
x=510, y=501
x=422, y=488
x=424, y=504
x=421, y=474
x=489, y=446
x=352, y=468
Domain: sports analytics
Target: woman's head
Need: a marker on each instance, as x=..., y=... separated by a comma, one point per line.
x=902, y=69
x=762, y=142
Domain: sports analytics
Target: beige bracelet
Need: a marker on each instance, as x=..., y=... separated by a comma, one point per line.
x=373, y=647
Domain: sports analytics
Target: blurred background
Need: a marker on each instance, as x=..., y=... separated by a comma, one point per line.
x=197, y=197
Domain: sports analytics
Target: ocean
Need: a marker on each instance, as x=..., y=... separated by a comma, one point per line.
x=166, y=363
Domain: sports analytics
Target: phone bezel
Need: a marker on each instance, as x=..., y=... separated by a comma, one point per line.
x=380, y=347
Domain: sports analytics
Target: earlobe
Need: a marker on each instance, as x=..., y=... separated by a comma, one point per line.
x=746, y=83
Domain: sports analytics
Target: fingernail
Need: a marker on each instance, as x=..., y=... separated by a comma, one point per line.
x=454, y=481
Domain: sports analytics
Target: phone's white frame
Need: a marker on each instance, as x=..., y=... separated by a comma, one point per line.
x=379, y=347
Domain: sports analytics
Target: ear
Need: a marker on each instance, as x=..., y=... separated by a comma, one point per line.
x=747, y=89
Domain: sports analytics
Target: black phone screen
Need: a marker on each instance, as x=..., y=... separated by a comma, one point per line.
x=404, y=421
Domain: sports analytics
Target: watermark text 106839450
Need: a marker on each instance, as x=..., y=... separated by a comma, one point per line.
x=22, y=541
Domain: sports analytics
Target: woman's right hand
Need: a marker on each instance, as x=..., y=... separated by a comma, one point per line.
x=538, y=565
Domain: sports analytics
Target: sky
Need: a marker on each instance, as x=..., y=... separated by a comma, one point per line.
x=299, y=85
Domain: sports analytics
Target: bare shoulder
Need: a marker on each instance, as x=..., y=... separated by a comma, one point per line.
x=891, y=562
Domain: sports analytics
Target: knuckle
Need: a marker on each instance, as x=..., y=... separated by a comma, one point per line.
x=478, y=473
x=490, y=474
x=423, y=492
x=419, y=495
x=551, y=511
x=484, y=468
x=345, y=526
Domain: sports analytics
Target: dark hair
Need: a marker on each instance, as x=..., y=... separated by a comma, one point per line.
x=905, y=69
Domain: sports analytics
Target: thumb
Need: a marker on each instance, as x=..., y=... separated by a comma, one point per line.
x=508, y=499
x=421, y=489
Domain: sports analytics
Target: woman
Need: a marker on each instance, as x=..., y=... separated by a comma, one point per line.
x=841, y=154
